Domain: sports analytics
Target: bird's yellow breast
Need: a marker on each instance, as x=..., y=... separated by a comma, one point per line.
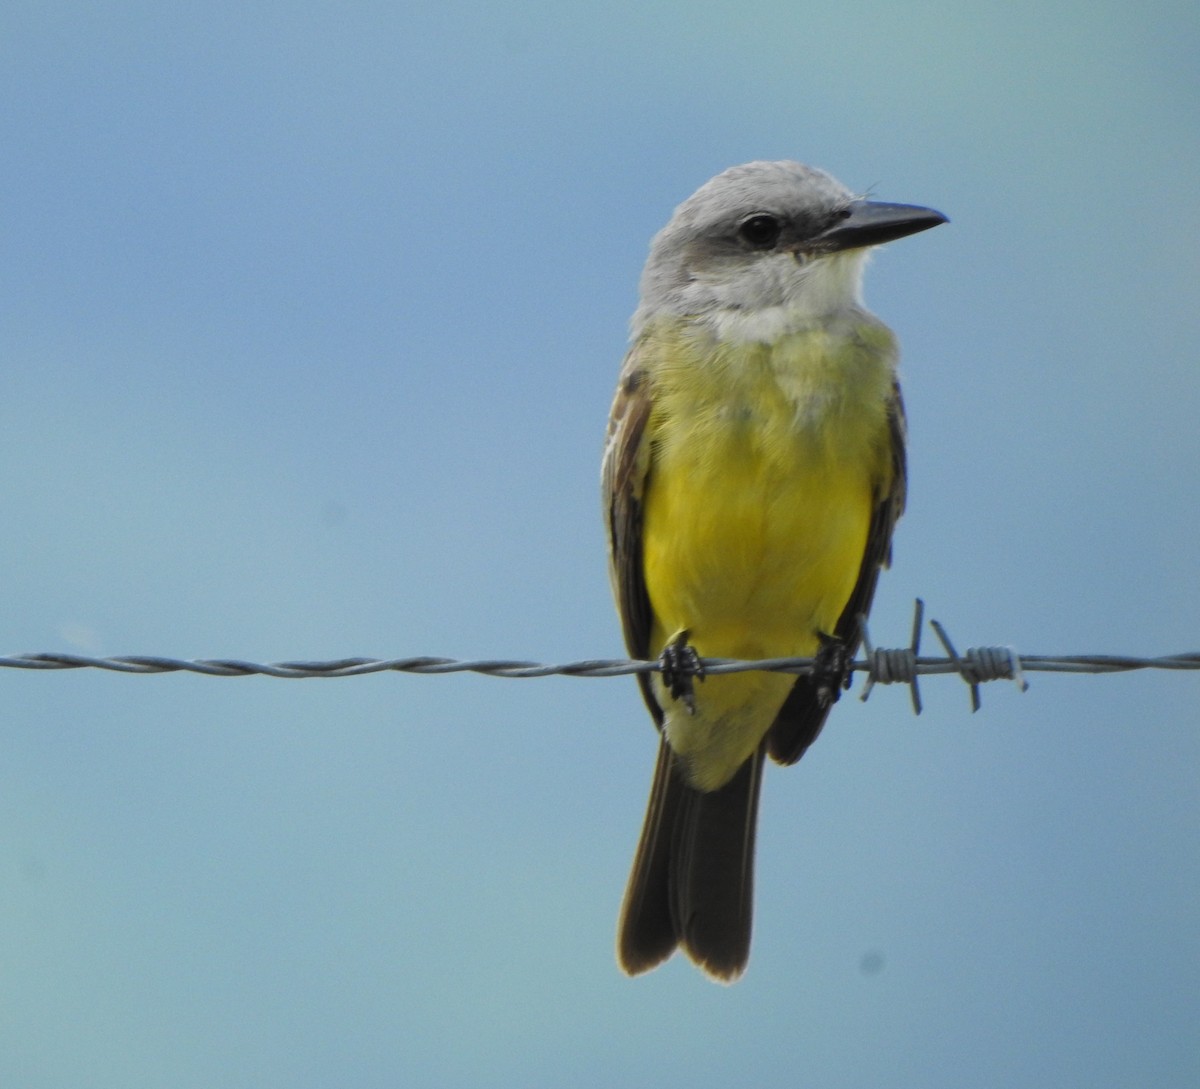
x=766, y=462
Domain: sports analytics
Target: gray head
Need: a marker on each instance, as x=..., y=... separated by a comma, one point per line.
x=765, y=247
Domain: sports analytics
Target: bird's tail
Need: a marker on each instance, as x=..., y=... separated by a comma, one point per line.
x=692, y=883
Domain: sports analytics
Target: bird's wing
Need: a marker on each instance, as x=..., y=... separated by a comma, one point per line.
x=627, y=457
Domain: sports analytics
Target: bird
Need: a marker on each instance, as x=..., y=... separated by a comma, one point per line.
x=753, y=474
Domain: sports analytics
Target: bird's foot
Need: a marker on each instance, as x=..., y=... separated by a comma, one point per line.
x=831, y=669
x=680, y=665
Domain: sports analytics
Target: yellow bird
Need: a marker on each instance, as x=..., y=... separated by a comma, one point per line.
x=753, y=474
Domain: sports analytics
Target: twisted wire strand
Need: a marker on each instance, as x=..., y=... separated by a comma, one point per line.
x=882, y=665
x=887, y=666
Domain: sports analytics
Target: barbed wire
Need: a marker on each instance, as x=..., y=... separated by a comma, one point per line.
x=882, y=665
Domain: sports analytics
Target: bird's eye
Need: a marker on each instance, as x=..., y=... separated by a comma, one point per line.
x=761, y=231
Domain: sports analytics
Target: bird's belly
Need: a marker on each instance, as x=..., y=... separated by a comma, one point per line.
x=765, y=464
x=753, y=548
x=753, y=553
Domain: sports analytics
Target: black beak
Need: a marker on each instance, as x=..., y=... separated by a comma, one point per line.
x=871, y=223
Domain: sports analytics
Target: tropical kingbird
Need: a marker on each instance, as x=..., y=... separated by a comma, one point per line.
x=753, y=473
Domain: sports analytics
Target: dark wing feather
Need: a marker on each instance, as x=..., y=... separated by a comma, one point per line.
x=623, y=480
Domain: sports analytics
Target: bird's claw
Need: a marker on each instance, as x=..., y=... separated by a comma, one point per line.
x=831, y=669
x=680, y=664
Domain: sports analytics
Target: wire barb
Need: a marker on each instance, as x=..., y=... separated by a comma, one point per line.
x=898, y=666
x=981, y=664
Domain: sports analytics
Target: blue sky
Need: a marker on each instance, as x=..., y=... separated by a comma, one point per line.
x=311, y=317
